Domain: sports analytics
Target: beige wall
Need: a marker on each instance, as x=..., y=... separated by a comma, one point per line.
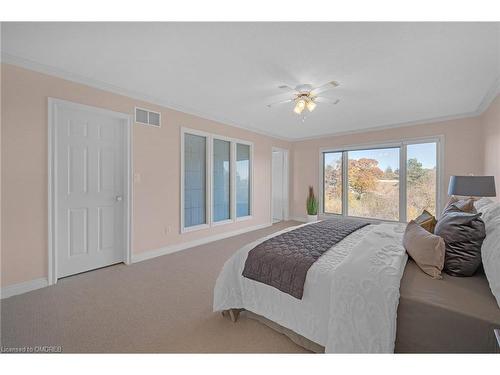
x=463, y=152
x=490, y=120
x=156, y=156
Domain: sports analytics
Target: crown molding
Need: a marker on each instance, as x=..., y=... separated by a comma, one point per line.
x=488, y=98
x=8, y=58
x=392, y=126
x=11, y=59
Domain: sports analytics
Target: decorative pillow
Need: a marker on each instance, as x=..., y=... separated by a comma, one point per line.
x=490, y=251
x=480, y=203
x=427, y=221
x=463, y=234
x=426, y=249
x=489, y=212
x=465, y=205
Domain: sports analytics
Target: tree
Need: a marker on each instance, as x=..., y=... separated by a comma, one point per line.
x=333, y=179
x=414, y=171
x=363, y=175
x=389, y=174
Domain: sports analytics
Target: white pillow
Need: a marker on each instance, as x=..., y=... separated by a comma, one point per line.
x=489, y=212
x=482, y=202
x=490, y=250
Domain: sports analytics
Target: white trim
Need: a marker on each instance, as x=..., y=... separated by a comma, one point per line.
x=222, y=222
x=433, y=120
x=53, y=104
x=186, y=245
x=8, y=58
x=244, y=218
x=51, y=266
x=403, y=197
x=490, y=95
x=24, y=287
x=402, y=145
x=129, y=190
x=302, y=219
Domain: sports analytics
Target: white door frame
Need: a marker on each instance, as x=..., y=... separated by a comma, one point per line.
x=286, y=183
x=52, y=185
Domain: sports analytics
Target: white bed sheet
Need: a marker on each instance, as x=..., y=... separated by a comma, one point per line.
x=308, y=316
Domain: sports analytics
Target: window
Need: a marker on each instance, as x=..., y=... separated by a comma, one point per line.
x=242, y=180
x=216, y=180
x=421, y=177
x=367, y=182
x=332, y=182
x=221, y=180
x=195, y=181
x=373, y=187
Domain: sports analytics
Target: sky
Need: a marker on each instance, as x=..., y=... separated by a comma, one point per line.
x=423, y=152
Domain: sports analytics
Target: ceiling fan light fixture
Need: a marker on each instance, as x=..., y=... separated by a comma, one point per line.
x=299, y=106
x=310, y=105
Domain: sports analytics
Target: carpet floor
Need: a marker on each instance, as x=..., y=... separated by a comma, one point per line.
x=162, y=305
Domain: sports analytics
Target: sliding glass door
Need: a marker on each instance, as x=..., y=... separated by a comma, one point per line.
x=332, y=182
x=421, y=178
x=367, y=182
x=373, y=186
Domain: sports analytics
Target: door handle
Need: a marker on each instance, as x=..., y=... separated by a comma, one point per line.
x=118, y=198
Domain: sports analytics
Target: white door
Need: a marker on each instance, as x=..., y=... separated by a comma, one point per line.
x=278, y=190
x=90, y=178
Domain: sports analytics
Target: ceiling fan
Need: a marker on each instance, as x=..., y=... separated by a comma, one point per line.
x=306, y=96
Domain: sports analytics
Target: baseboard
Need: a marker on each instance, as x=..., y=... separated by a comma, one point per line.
x=186, y=245
x=302, y=219
x=24, y=287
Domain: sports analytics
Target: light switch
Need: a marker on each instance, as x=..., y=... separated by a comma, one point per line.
x=137, y=178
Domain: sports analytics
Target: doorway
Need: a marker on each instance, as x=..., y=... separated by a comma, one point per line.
x=89, y=188
x=279, y=181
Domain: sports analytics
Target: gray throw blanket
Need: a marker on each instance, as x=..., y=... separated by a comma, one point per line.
x=283, y=261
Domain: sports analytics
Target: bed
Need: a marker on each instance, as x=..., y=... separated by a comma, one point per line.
x=368, y=301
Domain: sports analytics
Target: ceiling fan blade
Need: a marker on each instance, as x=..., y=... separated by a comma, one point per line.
x=278, y=103
x=322, y=99
x=327, y=86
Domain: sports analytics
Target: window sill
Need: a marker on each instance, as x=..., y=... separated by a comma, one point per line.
x=222, y=222
x=244, y=218
x=195, y=228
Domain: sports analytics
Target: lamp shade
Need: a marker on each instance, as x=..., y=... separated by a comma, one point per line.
x=472, y=186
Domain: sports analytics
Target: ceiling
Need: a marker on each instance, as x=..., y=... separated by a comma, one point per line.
x=389, y=73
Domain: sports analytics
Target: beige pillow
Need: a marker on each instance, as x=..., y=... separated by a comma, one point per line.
x=427, y=221
x=465, y=205
x=426, y=249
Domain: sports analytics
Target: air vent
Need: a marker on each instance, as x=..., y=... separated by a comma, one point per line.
x=147, y=117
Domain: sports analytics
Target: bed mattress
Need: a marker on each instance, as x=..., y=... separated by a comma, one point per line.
x=452, y=315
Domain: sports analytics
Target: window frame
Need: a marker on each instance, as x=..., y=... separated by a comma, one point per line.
x=208, y=178
x=209, y=139
x=250, y=176
x=402, y=145
x=231, y=182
